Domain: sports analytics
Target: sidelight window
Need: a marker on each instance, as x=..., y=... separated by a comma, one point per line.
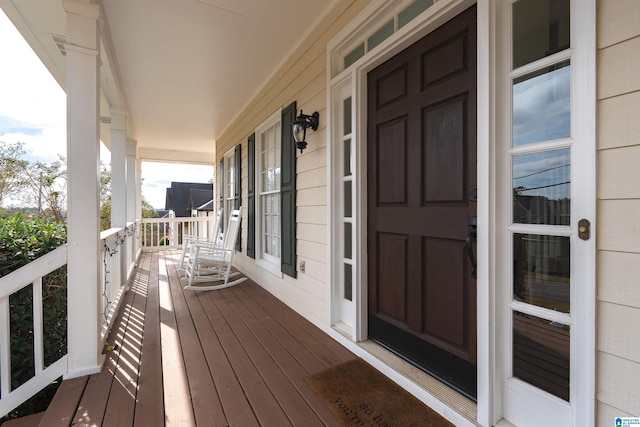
x=541, y=149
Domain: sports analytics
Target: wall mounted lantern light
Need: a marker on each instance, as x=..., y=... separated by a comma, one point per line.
x=300, y=125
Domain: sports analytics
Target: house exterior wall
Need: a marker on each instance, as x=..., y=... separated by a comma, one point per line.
x=302, y=78
x=618, y=281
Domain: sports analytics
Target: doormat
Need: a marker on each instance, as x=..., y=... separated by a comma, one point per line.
x=359, y=395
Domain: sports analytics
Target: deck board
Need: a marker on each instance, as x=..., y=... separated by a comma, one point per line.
x=292, y=403
x=236, y=407
x=292, y=367
x=178, y=409
x=60, y=411
x=234, y=357
x=204, y=396
x=149, y=399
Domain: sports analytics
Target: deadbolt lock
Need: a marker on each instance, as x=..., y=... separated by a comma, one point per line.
x=584, y=229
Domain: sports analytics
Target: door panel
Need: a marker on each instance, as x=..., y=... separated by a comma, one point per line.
x=392, y=287
x=444, y=262
x=421, y=166
x=444, y=146
x=392, y=161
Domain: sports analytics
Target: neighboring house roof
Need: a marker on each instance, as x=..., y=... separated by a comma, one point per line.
x=168, y=200
x=206, y=207
x=198, y=199
x=179, y=195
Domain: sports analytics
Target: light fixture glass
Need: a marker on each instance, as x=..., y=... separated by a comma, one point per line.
x=299, y=131
x=299, y=128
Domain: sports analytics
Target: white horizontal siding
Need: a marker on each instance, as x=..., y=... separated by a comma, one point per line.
x=618, y=20
x=302, y=79
x=618, y=124
x=618, y=383
x=619, y=278
x=618, y=283
x=624, y=340
x=619, y=69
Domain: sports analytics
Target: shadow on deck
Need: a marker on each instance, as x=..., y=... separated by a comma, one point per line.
x=237, y=356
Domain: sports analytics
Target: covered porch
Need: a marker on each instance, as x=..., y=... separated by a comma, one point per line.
x=232, y=357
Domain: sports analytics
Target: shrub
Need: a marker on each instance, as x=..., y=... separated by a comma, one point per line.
x=22, y=240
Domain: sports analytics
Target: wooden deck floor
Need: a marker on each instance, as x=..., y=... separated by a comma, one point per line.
x=235, y=357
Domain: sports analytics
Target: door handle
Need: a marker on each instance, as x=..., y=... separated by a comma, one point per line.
x=471, y=237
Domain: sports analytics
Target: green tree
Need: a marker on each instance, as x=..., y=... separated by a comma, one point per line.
x=12, y=166
x=47, y=185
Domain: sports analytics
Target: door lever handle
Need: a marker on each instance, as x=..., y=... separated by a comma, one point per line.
x=471, y=237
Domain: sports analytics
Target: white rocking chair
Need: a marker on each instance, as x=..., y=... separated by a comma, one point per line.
x=189, y=240
x=209, y=262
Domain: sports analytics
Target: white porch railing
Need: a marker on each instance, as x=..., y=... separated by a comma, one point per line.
x=29, y=275
x=120, y=250
x=168, y=233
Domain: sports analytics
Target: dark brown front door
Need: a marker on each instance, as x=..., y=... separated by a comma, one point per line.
x=421, y=189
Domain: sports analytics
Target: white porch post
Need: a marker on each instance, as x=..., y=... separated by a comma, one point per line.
x=83, y=159
x=133, y=190
x=138, y=204
x=133, y=179
x=118, y=168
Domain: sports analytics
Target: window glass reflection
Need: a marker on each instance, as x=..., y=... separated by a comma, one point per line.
x=541, y=271
x=540, y=29
x=346, y=111
x=354, y=55
x=348, y=282
x=542, y=105
x=347, y=199
x=347, y=240
x=346, y=157
x=542, y=188
x=541, y=351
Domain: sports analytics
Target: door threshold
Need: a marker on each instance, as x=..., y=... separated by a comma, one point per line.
x=450, y=397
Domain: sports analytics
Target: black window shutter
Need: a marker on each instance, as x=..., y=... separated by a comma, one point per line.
x=288, y=193
x=251, y=196
x=237, y=190
x=222, y=193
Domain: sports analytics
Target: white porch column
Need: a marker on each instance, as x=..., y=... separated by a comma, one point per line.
x=133, y=180
x=139, y=187
x=83, y=159
x=133, y=191
x=118, y=168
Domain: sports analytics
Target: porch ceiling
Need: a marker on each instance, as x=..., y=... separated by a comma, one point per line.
x=181, y=69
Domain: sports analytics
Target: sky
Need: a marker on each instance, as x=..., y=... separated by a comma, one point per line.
x=33, y=111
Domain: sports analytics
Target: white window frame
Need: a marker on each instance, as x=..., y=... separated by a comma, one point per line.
x=524, y=404
x=228, y=192
x=263, y=260
x=343, y=312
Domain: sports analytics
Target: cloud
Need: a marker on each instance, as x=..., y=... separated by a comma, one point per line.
x=32, y=104
x=33, y=111
x=9, y=125
x=542, y=107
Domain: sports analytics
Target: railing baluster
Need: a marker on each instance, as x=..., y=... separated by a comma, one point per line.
x=5, y=348
x=38, y=326
x=155, y=229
